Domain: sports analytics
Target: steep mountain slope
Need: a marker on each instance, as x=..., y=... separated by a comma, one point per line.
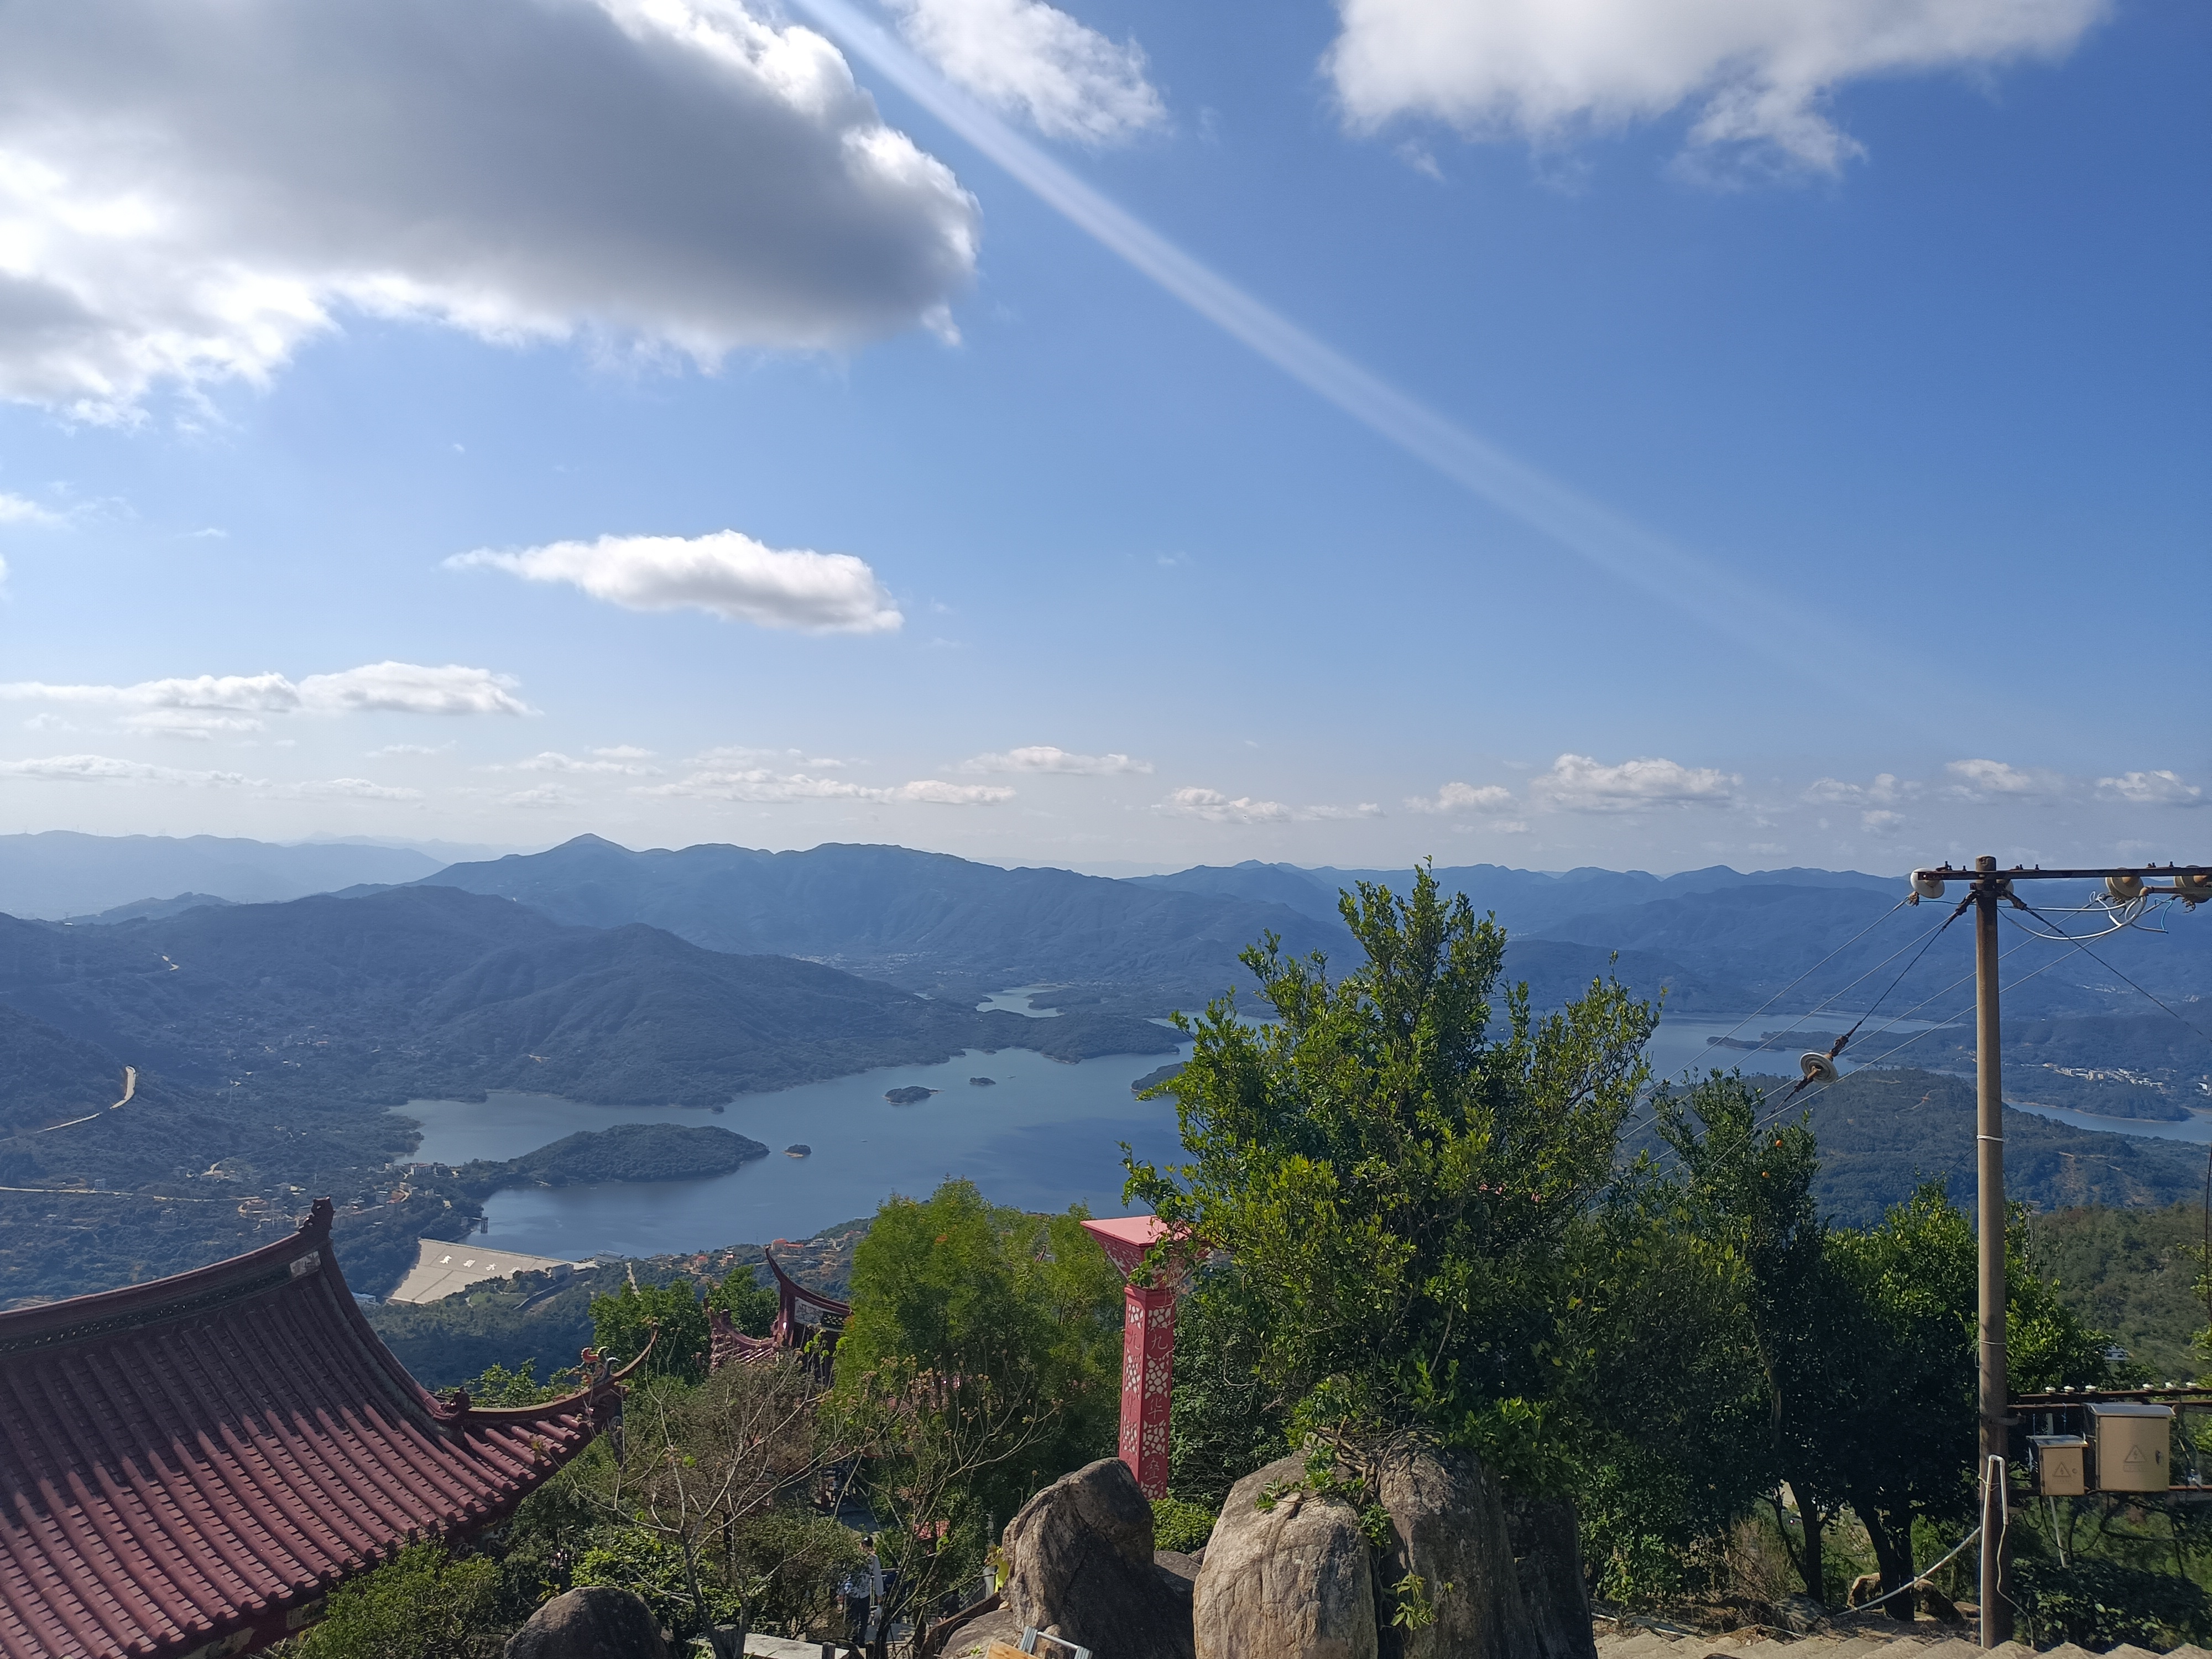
x=61, y=872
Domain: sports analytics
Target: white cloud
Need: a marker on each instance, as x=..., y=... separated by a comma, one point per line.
x=352, y=789
x=1881, y=821
x=1366, y=809
x=761, y=784
x=1759, y=72
x=552, y=761
x=14, y=509
x=392, y=749
x=546, y=794
x=1463, y=797
x=1031, y=60
x=2151, y=789
x=624, y=752
x=1218, y=808
x=728, y=574
x=189, y=188
x=1044, y=758
x=195, y=723
x=1989, y=780
x=106, y=769
x=1579, y=783
x=403, y=688
x=1885, y=789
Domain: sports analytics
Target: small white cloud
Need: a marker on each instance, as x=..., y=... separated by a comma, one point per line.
x=1759, y=74
x=16, y=509
x=624, y=752
x=352, y=789
x=1218, y=808
x=384, y=687
x=761, y=784
x=106, y=769
x=1989, y=780
x=194, y=724
x=1366, y=809
x=1463, y=797
x=392, y=749
x=1044, y=758
x=47, y=723
x=726, y=573
x=2159, y=788
x=1034, y=61
x=1881, y=821
x=1579, y=784
x=1885, y=789
x=552, y=761
x=546, y=794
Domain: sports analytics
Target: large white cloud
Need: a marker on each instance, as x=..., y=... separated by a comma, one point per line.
x=1035, y=62
x=203, y=704
x=1759, y=72
x=728, y=574
x=1581, y=784
x=188, y=188
x=1996, y=780
x=2159, y=788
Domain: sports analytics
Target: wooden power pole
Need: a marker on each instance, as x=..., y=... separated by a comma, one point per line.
x=1987, y=888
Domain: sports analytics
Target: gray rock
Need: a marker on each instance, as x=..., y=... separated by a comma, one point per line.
x=1290, y=1582
x=1081, y=1555
x=1548, y=1559
x=1448, y=1527
x=593, y=1622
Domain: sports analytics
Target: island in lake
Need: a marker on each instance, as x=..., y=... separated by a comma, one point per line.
x=1157, y=1075
x=984, y=1082
x=911, y=1095
x=798, y=1149
x=627, y=1151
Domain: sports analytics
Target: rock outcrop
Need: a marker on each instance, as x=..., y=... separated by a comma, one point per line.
x=1081, y=1560
x=593, y=1622
x=1548, y=1558
x=1288, y=1581
x=1448, y=1529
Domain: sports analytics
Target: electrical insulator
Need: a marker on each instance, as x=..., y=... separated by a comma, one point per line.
x=1816, y=1065
x=2124, y=888
x=1926, y=883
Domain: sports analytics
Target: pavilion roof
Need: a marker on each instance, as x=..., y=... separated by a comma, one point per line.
x=188, y=1466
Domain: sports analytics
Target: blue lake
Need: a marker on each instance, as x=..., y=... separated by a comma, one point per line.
x=1043, y=1136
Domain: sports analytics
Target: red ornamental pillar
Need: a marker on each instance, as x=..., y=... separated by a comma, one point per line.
x=1147, y=1383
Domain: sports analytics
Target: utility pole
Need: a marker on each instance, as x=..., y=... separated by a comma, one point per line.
x=1987, y=888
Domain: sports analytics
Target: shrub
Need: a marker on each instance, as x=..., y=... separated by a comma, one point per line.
x=2100, y=1604
x=422, y=1604
x=1180, y=1526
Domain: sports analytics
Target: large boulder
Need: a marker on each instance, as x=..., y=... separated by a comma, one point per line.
x=1287, y=1582
x=1081, y=1560
x=1448, y=1529
x=1548, y=1558
x=593, y=1622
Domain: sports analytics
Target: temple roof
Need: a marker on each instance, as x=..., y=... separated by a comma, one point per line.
x=187, y=1466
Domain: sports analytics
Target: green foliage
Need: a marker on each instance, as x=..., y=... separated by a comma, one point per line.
x=2100, y=1604
x=636, y=1559
x=1178, y=1525
x=422, y=1604
x=750, y=1304
x=1393, y=1179
x=498, y=1386
x=2131, y=1272
x=1224, y=1423
x=507, y=1323
x=623, y=1324
x=953, y=1287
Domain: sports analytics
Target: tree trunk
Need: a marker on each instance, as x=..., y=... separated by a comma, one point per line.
x=1809, y=1558
x=1892, y=1554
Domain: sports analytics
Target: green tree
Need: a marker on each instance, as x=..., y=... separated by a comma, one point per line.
x=1395, y=1175
x=422, y=1604
x=751, y=1306
x=1748, y=1185
x=624, y=1322
x=982, y=1360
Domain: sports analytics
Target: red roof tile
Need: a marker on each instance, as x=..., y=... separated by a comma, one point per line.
x=187, y=1466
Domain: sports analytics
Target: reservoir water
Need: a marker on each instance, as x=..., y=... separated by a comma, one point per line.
x=1042, y=1136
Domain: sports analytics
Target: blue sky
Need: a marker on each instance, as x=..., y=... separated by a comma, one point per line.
x=685, y=422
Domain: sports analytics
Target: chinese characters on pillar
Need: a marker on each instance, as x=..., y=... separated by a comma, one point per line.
x=1147, y=1368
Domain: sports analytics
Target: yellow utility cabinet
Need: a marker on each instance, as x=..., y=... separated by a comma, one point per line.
x=2058, y=1464
x=2132, y=1444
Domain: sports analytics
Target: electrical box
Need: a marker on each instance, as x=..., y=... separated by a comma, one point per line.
x=2058, y=1464
x=2132, y=1442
